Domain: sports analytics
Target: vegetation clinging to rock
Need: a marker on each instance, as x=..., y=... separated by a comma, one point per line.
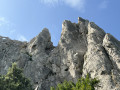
x=86, y=83
x=14, y=80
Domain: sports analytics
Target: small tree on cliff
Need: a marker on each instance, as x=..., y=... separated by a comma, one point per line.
x=82, y=84
x=14, y=80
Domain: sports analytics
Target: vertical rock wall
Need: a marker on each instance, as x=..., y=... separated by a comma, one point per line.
x=83, y=48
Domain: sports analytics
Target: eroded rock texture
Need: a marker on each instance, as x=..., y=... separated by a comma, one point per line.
x=83, y=48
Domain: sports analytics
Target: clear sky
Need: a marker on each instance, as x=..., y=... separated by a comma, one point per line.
x=24, y=19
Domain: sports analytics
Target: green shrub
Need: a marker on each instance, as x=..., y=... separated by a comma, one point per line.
x=14, y=80
x=82, y=84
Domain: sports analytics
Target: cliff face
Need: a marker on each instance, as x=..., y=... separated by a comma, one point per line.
x=83, y=48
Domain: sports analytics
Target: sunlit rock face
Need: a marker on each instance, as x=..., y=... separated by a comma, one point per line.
x=83, y=48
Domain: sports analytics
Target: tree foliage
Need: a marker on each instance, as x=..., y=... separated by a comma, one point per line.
x=82, y=84
x=14, y=80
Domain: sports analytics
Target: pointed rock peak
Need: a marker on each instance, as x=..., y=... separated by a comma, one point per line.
x=81, y=20
x=41, y=42
x=68, y=25
x=93, y=25
x=109, y=38
x=45, y=30
x=42, y=36
x=45, y=33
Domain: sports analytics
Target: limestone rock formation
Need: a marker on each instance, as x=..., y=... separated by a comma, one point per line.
x=83, y=48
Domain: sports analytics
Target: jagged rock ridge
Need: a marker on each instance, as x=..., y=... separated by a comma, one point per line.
x=83, y=48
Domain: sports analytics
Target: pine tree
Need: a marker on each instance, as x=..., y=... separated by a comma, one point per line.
x=14, y=80
x=82, y=84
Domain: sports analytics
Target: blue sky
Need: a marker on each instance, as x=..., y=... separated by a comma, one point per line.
x=24, y=19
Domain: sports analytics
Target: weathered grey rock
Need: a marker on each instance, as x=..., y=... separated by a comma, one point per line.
x=96, y=61
x=83, y=48
x=112, y=47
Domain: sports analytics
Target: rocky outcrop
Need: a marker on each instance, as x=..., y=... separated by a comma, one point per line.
x=83, y=48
